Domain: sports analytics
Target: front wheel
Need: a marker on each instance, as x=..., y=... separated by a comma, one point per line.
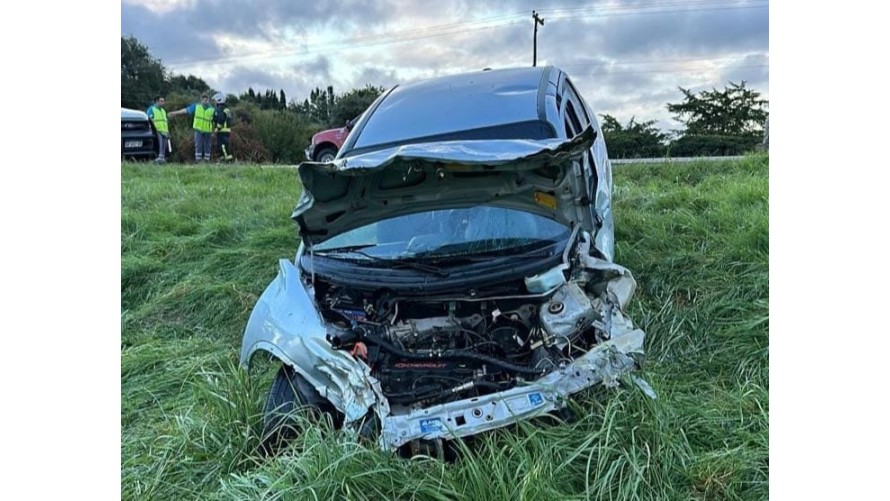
x=326, y=155
x=289, y=394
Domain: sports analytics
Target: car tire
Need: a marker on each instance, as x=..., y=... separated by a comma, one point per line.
x=289, y=394
x=325, y=155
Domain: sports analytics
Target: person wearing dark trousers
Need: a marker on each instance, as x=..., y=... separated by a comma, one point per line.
x=202, y=124
x=222, y=127
x=158, y=116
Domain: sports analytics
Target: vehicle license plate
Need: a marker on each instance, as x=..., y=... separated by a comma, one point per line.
x=132, y=144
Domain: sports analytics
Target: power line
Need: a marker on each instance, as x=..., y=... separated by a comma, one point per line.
x=684, y=70
x=657, y=10
x=646, y=4
x=332, y=47
x=451, y=28
x=460, y=28
x=657, y=61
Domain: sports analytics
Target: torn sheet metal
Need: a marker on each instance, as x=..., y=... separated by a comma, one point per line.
x=286, y=323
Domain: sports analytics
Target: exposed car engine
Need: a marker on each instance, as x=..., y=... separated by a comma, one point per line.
x=427, y=351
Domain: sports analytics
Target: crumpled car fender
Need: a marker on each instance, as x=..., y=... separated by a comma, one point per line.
x=287, y=324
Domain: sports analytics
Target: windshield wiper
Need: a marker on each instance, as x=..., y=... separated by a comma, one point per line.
x=345, y=248
x=535, y=250
x=394, y=263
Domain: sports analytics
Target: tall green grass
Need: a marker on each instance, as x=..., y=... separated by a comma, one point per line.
x=199, y=245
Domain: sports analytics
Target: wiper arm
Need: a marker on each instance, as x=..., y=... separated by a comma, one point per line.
x=344, y=249
x=395, y=263
x=546, y=250
x=470, y=258
x=428, y=268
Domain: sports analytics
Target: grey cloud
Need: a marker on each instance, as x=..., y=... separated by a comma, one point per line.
x=695, y=33
x=240, y=78
x=377, y=77
x=508, y=46
x=168, y=37
x=753, y=69
x=316, y=70
x=183, y=34
x=296, y=80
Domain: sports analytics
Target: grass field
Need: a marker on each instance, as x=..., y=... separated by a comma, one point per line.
x=199, y=245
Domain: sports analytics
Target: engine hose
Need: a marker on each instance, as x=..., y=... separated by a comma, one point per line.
x=339, y=341
x=471, y=355
x=487, y=385
x=450, y=354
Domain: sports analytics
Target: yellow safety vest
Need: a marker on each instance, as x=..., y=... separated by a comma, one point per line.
x=203, y=118
x=159, y=118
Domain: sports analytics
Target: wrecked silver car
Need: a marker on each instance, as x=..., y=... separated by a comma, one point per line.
x=455, y=272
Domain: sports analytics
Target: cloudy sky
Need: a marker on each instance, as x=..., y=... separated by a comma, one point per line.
x=626, y=57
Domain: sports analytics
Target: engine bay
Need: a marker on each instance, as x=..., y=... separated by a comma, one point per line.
x=427, y=351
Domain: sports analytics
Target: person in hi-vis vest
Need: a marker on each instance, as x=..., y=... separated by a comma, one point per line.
x=158, y=116
x=202, y=124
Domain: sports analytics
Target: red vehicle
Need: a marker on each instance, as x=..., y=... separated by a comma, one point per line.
x=327, y=143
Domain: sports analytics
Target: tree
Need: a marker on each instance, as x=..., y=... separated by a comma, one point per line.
x=727, y=122
x=319, y=105
x=267, y=100
x=353, y=103
x=189, y=85
x=734, y=111
x=142, y=76
x=634, y=140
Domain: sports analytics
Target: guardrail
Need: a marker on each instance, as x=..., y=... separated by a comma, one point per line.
x=670, y=160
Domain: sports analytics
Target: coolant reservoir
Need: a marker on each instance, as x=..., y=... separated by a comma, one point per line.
x=568, y=310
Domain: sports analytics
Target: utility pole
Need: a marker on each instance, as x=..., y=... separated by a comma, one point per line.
x=538, y=20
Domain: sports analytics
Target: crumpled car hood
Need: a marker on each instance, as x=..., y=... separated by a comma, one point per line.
x=536, y=176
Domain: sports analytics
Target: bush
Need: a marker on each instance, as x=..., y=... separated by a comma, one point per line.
x=623, y=144
x=247, y=145
x=258, y=136
x=284, y=134
x=712, y=145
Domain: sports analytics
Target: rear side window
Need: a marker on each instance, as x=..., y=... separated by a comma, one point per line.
x=572, y=117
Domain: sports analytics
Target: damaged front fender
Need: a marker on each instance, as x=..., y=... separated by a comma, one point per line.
x=287, y=324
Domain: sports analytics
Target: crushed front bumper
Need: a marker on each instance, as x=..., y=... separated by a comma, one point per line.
x=604, y=364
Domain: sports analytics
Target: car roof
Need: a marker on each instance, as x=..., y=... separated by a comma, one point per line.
x=458, y=102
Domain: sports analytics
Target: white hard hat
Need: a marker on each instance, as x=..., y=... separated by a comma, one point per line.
x=219, y=98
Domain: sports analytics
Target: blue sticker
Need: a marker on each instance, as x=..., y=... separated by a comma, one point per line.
x=358, y=315
x=535, y=399
x=430, y=425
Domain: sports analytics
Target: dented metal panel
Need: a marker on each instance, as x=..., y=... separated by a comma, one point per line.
x=286, y=323
x=535, y=176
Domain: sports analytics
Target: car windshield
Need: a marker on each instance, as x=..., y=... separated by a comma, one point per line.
x=447, y=233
